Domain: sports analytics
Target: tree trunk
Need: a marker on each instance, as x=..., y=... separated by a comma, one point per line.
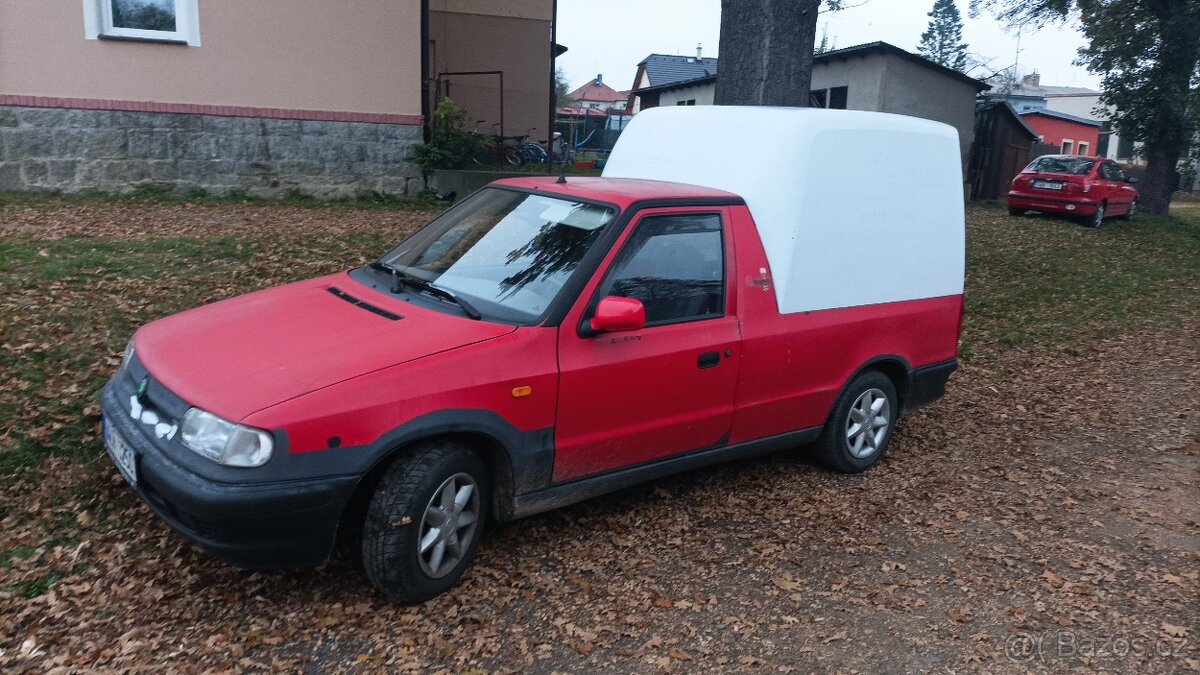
x=1154, y=193
x=766, y=52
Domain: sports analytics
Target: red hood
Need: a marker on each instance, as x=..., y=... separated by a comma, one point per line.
x=241, y=355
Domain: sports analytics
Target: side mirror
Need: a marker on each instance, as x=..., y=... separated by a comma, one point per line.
x=615, y=315
x=1131, y=180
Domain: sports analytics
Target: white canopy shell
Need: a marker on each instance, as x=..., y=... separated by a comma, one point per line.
x=853, y=208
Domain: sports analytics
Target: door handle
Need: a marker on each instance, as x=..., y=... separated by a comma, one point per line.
x=708, y=360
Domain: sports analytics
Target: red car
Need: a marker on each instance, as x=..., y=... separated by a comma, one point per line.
x=1088, y=187
x=543, y=342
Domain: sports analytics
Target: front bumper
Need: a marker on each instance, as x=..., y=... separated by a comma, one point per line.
x=256, y=525
x=1048, y=204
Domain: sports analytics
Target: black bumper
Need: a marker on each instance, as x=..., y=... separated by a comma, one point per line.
x=269, y=525
x=928, y=383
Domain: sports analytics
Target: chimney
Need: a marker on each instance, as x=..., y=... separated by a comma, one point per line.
x=1032, y=80
x=600, y=79
x=699, y=51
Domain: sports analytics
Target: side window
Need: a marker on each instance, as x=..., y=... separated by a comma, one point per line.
x=1116, y=173
x=675, y=265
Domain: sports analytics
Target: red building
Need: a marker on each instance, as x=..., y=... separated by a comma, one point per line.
x=1072, y=135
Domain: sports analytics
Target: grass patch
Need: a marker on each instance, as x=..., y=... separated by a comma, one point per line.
x=152, y=195
x=1049, y=281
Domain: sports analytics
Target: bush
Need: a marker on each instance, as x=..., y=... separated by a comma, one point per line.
x=452, y=146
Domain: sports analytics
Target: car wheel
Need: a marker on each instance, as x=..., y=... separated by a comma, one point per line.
x=424, y=521
x=1129, y=215
x=1097, y=220
x=1015, y=212
x=861, y=424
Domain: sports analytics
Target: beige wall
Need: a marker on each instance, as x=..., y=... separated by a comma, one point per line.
x=703, y=93
x=520, y=47
x=349, y=56
x=912, y=89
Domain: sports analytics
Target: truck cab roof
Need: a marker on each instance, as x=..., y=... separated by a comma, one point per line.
x=622, y=192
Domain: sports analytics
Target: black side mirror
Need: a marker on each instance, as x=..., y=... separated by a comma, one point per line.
x=1131, y=180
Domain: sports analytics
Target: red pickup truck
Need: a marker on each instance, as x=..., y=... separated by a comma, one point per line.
x=539, y=343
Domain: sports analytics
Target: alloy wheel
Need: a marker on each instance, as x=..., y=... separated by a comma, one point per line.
x=868, y=423
x=449, y=525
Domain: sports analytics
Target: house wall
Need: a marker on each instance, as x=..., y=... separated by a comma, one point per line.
x=862, y=77
x=324, y=101
x=514, y=37
x=262, y=54
x=911, y=89
x=1054, y=131
x=703, y=94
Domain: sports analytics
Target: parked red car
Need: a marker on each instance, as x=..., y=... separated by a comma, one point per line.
x=1088, y=187
x=544, y=342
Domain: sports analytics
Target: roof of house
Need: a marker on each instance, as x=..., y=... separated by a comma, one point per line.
x=1009, y=110
x=1040, y=91
x=1054, y=114
x=698, y=77
x=665, y=69
x=596, y=90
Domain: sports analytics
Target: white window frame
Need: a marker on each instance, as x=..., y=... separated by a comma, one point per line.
x=1063, y=149
x=98, y=24
x=1083, y=148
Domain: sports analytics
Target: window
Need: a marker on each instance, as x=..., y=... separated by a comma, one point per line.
x=1113, y=172
x=1125, y=148
x=838, y=97
x=690, y=101
x=1068, y=147
x=1084, y=147
x=1075, y=167
x=816, y=99
x=152, y=20
x=675, y=265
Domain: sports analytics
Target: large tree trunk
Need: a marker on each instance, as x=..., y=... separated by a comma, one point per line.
x=1154, y=193
x=766, y=52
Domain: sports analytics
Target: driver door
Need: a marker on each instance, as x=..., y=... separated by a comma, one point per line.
x=634, y=397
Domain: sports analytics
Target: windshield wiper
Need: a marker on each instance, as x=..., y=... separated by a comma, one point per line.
x=400, y=276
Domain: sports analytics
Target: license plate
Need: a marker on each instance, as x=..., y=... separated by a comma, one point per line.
x=1047, y=185
x=123, y=455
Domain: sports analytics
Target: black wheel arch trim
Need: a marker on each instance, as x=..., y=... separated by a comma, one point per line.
x=523, y=461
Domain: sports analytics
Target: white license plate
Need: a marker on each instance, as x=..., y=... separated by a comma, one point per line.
x=1046, y=185
x=123, y=455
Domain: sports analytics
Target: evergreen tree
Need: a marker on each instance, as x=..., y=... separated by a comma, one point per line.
x=942, y=41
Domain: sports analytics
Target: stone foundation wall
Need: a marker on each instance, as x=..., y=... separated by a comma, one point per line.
x=74, y=150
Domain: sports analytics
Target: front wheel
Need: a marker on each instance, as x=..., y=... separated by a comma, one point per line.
x=424, y=521
x=1097, y=220
x=1129, y=215
x=860, y=426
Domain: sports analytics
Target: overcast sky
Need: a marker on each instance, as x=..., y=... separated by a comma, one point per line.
x=611, y=37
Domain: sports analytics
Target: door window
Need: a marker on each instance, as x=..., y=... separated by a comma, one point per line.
x=674, y=265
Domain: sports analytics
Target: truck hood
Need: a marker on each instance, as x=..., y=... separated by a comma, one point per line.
x=238, y=356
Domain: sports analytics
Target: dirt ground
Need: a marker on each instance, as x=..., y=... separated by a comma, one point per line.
x=1045, y=515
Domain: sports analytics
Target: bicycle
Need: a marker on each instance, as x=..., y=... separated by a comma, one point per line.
x=496, y=150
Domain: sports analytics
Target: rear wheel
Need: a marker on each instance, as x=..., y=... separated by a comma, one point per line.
x=861, y=424
x=513, y=156
x=1129, y=215
x=1097, y=219
x=1015, y=212
x=423, y=523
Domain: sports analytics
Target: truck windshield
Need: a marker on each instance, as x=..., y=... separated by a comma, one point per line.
x=507, y=253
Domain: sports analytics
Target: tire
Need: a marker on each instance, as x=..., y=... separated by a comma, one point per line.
x=1097, y=219
x=404, y=513
x=1016, y=212
x=844, y=451
x=513, y=156
x=1132, y=212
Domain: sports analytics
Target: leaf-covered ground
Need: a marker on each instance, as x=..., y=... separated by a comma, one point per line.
x=1045, y=514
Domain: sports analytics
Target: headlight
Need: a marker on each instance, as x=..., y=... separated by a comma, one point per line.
x=127, y=357
x=225, y=442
